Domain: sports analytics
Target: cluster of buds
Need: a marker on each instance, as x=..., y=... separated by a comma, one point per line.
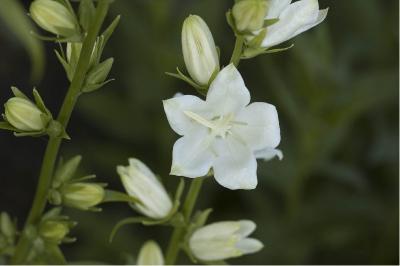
x=75, y=192
x=8, y=232
x=28, y=118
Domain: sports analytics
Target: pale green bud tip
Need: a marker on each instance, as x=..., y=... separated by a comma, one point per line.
x=24, y=115
x=199, y=50
x=150, y=254
x=249, y=15
x=54, y=17
x=82, y=195
x=53, y=231
x=7, y=227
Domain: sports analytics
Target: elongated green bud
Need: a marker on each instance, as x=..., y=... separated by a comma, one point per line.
x=53, y=231
x=54, y=17
x=24, y=115
x=250, y=14
x=82, y=195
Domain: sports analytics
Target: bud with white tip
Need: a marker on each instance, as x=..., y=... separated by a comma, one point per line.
x=223, y=240
x=199, y=51
x=54, y=17
x=249, y=15
x=24, y=115
x=150, y=254
x=140, y=182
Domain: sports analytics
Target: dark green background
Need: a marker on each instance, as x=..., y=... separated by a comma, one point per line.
x=334, y=197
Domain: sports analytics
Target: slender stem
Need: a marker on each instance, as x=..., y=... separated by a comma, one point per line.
x=179, y=232
x=237, y=51
x=49, y=159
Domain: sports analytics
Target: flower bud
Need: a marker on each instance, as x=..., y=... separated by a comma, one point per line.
x=53, y=231
x=73, y=51
x=24, y=115
x=54, y=17
x=100, y=72
x=150, y=254
x=140, y=182
x=199, y=51
x=249, y=15
x=7, y=227
x=223, y=240
x=82, y=195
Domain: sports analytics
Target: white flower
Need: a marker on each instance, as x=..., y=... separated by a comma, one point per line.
x=293, y=18
x=223, y=240
x=224, y=132
x=54, y=17
x=199, y=51
x=150, y=254
x=140, y=182
x=24, y=114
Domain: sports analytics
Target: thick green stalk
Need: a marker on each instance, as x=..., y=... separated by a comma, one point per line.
x=49, y=159
x=237, y=51
x=179, y=232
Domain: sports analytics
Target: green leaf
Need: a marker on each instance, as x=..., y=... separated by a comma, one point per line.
x=14, y=15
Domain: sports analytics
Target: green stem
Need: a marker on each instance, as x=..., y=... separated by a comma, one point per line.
x=179, y=232
x=237, y=51
x=53, y=146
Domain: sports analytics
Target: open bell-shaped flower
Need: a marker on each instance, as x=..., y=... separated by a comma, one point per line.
x=224, y=240
x=140, y=182
x=224, y=132
x=292, y=19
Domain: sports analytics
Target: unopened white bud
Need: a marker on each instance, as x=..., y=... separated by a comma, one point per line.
x=24, y=115
x=150, y=254
x=223, y=240
x=199, y=51
x=54, y=17
x=140, y=182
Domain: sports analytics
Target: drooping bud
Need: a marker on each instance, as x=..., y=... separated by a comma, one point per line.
x=54, y=17
x=150, y=254
x=199, y=51
x=249, y=15
x=82, y=195
x=53, y=231
x=223, y=240
x=24, y=115
x=140, y=182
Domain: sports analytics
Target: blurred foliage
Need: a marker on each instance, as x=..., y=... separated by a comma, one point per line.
x=334, y=197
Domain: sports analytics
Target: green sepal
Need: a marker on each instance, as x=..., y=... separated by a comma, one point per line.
x=270, y=22
x=253, y=52
x=5, y=125
x=96, y=77
x=40, y=103
x=66, y=171
x=116, y=196
x=179, y=75
x=18, y=93
x=74, y=38
x=110, y=29
x=66, y=66
x=257, y=41
x=231, y=22
x=86, y=13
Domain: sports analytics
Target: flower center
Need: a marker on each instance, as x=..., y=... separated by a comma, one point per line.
x=220, y=126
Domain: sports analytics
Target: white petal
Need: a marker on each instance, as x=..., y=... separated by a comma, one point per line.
x=258, y=126
x=175, y=107
x=150, y=254
x=268, y=154
x=221, y=230
x=235, y=167
x=214, y=249
x=321, y=17
x=291, y=20
x=228, y=93
x=276, y=7
x=191, y=154
x=246, y=228
x=249, y=245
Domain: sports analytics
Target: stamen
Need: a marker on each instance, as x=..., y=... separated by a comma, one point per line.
x=199, y=119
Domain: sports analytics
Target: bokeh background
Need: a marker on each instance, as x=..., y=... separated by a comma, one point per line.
x=334, y=199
